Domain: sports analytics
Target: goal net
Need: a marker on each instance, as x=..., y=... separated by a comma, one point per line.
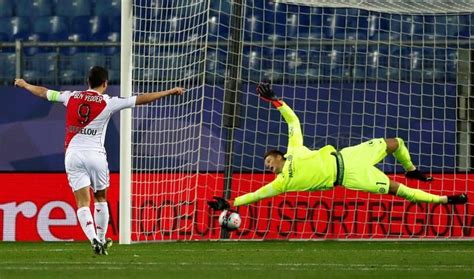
x=351, y=71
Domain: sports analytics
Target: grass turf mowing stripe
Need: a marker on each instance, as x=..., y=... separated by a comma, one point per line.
x=268, y=259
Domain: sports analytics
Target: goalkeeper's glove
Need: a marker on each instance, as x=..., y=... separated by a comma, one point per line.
x=218, y=203
x=265, y=91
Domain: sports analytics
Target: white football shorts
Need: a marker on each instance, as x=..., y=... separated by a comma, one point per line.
x=87, y=168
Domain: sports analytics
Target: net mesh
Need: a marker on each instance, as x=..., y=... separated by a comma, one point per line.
x=351, y=70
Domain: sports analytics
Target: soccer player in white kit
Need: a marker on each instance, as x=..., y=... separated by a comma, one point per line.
x=87, y=115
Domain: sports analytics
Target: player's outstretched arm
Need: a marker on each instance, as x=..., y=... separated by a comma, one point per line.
x=39, y=91
x=150, y=97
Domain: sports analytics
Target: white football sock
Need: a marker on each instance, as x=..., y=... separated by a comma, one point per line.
x=101, y=216
x=84, y=216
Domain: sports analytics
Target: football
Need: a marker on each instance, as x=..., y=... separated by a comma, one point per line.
x=229, y=220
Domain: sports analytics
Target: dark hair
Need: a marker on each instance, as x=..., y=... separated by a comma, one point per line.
x=97, y=76
x=273, y=152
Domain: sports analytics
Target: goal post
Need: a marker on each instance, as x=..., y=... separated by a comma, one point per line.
x=351, y=71
x=125, y=124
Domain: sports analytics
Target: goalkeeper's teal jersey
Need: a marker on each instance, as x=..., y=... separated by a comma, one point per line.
x=304, y=169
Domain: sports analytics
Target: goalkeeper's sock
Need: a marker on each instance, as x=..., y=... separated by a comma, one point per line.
x=416, y=195
x=101, y=217
x=84, y=216
x=403, y=156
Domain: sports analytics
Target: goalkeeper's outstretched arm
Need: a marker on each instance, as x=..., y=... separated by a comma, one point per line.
x=267, y=191
x=295, y=135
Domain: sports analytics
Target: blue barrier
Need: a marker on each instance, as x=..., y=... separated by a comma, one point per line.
x=32, y=130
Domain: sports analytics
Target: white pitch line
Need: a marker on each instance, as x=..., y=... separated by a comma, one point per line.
x=259, y=250
x=122, y=265
x=238, y=267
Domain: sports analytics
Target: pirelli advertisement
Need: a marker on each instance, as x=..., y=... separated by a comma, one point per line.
x=40, y=207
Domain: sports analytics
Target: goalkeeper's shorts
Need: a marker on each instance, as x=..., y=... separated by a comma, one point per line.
x=359, y=170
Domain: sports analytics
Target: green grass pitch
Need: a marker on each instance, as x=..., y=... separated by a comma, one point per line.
x=267, y=259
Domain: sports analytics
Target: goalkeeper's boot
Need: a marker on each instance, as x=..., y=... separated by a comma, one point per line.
x=416, y=174
x=457, y=199
x=97, y=247
x=107, y=244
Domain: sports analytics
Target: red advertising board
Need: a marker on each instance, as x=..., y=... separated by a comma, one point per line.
x=41, y=207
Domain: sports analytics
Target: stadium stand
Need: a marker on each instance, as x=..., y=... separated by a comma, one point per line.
x=33, y=8
x=42, y=67
x=7, y=67
x=6, y=8
x=265, y=22
x=107, y=8
x=54, y=28
x=73, y=8
x=15, y=27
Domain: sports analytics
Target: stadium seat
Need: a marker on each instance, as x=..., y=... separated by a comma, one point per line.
x=76, y=37
x=33, y=8
x=82, y=62
x=55, y=28
x=6, y=8
x=315, y=30
x=378, y=65
x=217, y=27
x=412, y=27
x=346, y=24
x=70, y=77
x=273, y=63
x=285, y=26
x=372, y=25
x=15, y=27
x=433, y=68
x=388, y=27
x=74, y=68
x=384, y=26
x=107, y=8
x=296, y=64
x=332, y=24
x=41, y=68
x=409, y=61
x=90, y=27
x=253, y=29
x=33, y=50
x=7, y=67
x=360, y=70
x=112, y=37
x=115, y=24
x=452, y=64
x=73, y=8
x=314, y=62
x=114, y=68
x=357, y=24
x=253, y=64
x=333, y=66
x=215, y=65
x=3, y=37
x=448, y=26
x=222, y=6
x=445, y=63
x=114, y=64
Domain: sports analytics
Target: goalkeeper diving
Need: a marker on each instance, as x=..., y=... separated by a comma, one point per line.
x=302, y=169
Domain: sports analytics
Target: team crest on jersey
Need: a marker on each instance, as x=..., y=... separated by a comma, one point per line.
x=290, y=167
